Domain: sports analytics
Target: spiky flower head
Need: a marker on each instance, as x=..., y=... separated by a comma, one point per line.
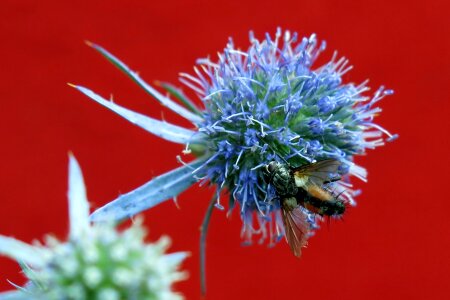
x=97, y=261
x=267, y=103
x=270, y=103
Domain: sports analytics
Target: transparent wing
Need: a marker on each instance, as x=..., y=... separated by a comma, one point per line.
x=318, y=173
x=296, y=229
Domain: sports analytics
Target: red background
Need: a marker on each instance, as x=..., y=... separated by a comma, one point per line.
x=394, y=245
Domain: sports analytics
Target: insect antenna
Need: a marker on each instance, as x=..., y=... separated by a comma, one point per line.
x=337, y=196
x=331, y=180
x=345, y=200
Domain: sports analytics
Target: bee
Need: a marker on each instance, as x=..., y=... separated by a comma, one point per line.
x=304, y=186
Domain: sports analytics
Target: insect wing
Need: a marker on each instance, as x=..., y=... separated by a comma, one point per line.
x=296, y=229
x=317, y=173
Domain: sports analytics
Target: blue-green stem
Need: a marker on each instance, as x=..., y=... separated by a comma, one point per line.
x=203, y=233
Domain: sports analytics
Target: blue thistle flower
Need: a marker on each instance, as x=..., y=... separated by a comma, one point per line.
x=266, y=103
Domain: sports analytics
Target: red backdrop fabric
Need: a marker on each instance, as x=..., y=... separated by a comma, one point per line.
x=393, y=245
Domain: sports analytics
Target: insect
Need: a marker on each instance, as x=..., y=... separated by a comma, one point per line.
x=304, y=186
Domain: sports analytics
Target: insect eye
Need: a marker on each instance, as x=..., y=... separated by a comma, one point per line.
x=272, y=166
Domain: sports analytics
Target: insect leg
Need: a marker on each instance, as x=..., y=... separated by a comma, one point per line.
x=273, y=199
x=334, y=179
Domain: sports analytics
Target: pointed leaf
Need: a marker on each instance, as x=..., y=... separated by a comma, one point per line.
x=78, y=203
x=33, y=277
x=164, y=130
x=16, y=295
x=22, y=252
x=152, y=193
x=154, y=93
x=177, y=93
x=176, y=257
x=18, y=287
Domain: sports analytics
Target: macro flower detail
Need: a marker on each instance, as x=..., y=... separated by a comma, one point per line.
x=268, y=103
x=97, y=261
